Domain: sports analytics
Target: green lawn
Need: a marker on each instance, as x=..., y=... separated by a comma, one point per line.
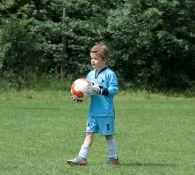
x=155, y=134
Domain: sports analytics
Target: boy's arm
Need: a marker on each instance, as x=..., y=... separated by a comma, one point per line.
x=111, y=90
x=113, y=85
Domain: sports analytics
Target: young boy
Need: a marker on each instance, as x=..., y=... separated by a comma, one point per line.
x=104, y=85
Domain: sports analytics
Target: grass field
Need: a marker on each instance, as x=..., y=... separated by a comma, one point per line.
x=155, y=134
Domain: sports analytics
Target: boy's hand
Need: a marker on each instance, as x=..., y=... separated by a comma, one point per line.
x=76, y=99
x=94, y=89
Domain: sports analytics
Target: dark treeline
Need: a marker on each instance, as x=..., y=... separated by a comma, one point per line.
x=152, y=43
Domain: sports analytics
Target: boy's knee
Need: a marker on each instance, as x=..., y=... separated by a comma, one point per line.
x=109, y=137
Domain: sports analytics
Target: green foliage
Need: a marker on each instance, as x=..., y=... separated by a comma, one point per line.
x=152, y=43
x=18, y=50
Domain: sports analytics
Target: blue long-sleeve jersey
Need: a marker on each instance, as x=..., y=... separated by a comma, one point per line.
x=102, y=105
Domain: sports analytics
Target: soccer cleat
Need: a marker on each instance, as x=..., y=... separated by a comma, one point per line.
x=112, y=161
x=77, y=161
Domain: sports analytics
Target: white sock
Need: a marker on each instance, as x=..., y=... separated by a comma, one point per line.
x=112, y=149
x=84, y=151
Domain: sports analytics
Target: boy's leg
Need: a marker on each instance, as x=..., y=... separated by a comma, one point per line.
x=91, y=129
x=113, y=157
x=111, y=147
x=106, y=128
x=81, y=159
x=86, y=145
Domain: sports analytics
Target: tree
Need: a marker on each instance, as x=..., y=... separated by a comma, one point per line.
x=153, y=42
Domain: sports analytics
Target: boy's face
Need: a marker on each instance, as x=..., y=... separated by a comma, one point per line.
x=97, y=62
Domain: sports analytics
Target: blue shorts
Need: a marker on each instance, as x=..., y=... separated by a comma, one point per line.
x=102, y=125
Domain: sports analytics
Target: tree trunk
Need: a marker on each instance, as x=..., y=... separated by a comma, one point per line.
x=64, y=48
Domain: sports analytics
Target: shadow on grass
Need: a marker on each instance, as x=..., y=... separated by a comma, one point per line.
x=149, y=164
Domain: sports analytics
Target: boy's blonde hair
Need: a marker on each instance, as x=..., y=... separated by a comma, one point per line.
x=101, y=50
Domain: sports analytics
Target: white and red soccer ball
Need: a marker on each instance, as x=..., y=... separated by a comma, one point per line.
x=79, y=88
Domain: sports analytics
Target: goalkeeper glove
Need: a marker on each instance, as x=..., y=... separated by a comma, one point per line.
x=76, y=99
x=97, y=90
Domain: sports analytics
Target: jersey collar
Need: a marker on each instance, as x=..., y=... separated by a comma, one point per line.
x=96, y=74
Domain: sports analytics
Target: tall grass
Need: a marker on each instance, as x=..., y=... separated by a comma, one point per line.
x=54, y=82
